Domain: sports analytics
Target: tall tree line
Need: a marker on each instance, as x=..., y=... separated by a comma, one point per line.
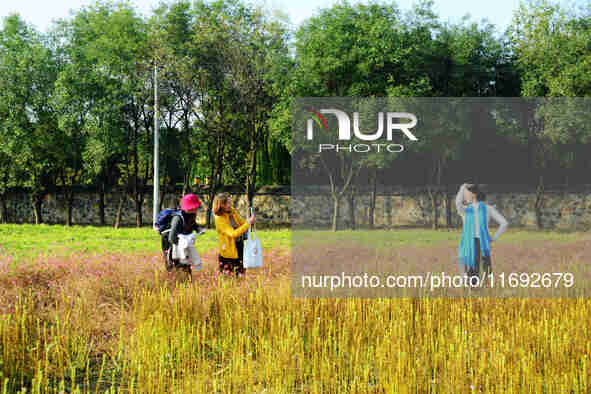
x=77, y=102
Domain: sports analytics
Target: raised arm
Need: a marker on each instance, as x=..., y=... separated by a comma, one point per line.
x=239, y=220
x=500, y=219
x=223, y=226
x=460, y=201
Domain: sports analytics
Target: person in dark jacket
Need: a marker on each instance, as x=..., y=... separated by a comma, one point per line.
x=190, y=203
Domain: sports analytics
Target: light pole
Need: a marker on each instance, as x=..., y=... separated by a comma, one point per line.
x=156, y=156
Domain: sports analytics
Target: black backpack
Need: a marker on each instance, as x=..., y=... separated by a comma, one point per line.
x=165, y=218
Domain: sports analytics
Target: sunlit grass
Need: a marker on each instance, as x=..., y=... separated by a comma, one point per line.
x=28, y=240
x=421, y=237
x=116, y=321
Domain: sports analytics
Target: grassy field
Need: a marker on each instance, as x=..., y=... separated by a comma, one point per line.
x=92, y=310
x=525, y=263
x=27, y=241
x=385, y=239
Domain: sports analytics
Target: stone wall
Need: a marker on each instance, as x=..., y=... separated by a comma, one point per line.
x=562, y=208
x=568, y=209
x=272, y=208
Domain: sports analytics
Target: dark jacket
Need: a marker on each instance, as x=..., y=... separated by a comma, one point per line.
x=176, y=226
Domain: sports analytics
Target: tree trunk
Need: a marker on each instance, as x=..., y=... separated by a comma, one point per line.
x=351, y=199
x=162, y=190
x=37, y=200
x=214, y=186
x=215, y=182
x=70, y=203
x=436, y=195
x=169, y=188
x=102, y=204
x=434, y=207
x=185, y=183
x=372, y=201
x=138, y=211
x=140, y=196
x=4, y=211
x=335, y=216
x=211, y=194
x=388, y=204
x=267, y=170
x=135, y=192
x=209, y=213
x=162, y=196
x=539, y=203
x=448, y=213
x=189, y=173
x=252, y=176
x=119, y=210
x=337, y=195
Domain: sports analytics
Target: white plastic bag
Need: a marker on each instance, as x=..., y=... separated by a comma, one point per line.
x=253, y=254
x=185, y=251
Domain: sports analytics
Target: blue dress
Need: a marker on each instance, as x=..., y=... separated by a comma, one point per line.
x=466, y=250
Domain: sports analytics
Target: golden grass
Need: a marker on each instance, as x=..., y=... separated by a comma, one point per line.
x=122, y=324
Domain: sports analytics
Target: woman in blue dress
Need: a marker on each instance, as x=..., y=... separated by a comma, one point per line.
x=476, y=241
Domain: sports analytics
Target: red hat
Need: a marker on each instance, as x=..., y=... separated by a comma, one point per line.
x=189, y=202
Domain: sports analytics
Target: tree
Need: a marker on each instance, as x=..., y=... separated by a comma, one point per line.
x=102, y=94
x=77, y=88
x=552, y=49
x=257, y=44
x=29, y=124
x=280, y=121
x=7, y=180
x=348, y=50
x=7, y=177
x=553, y=54
x=116, y=39
x=459, y=60
x=177, y=56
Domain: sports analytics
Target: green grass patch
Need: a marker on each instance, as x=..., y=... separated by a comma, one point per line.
x=25, y=241
x=425, y=237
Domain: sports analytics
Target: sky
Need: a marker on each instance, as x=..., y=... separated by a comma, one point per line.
x=499, y=12
x=41, y=13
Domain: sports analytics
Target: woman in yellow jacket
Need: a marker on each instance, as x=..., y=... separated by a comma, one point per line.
x=230, y=228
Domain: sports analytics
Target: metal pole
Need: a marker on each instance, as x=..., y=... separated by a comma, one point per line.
x=156, y=157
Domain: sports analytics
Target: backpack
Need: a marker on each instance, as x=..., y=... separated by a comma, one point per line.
x=165, y=218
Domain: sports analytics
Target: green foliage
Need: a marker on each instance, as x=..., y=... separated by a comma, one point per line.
x=349, y=50
x=77, y=105
x=28, y=121
x=553, y=50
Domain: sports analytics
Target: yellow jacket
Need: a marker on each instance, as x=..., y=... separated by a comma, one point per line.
x=227, y=235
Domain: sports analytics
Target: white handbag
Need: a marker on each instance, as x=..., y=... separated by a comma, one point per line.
x=185, y=252
x=253, y=253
